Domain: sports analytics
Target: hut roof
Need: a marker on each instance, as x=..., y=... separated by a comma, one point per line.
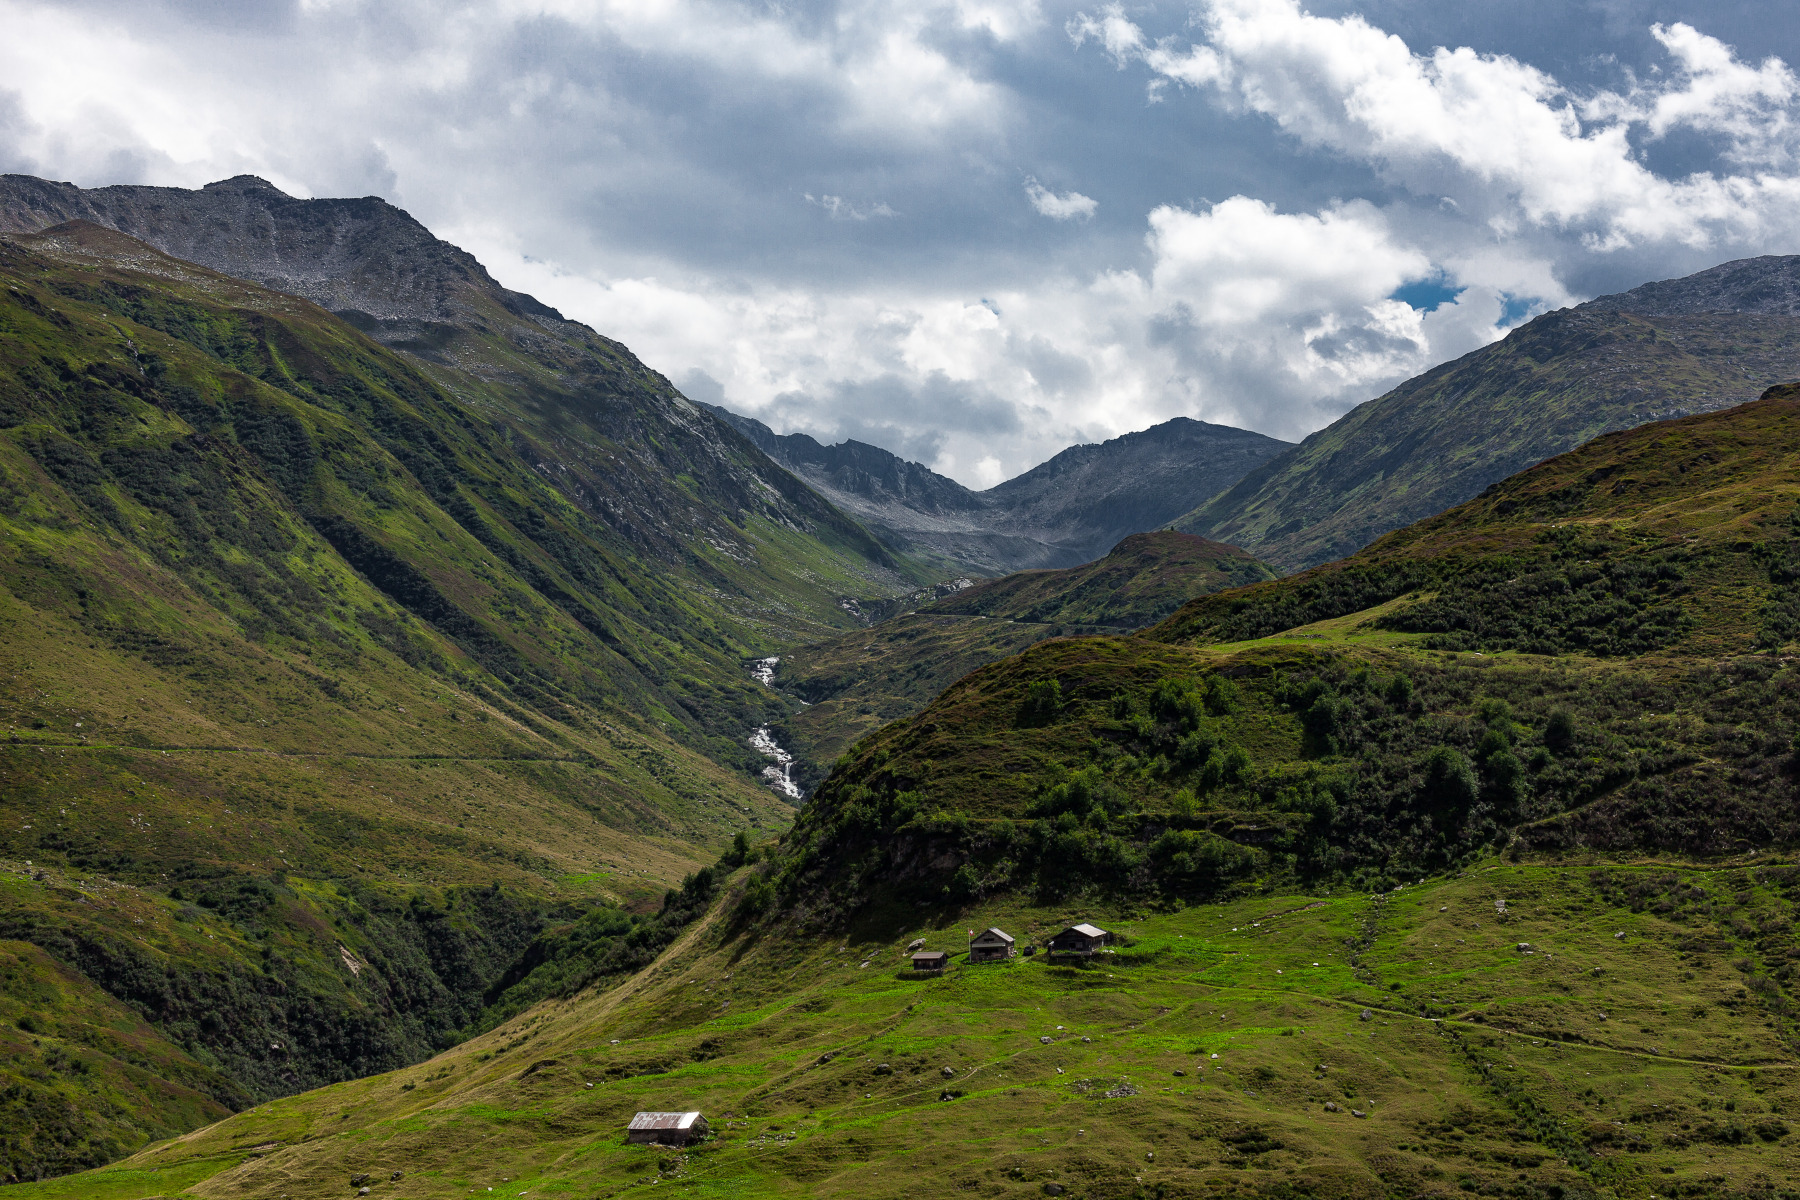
x=1086, y=930
x=664, y=1120
x=993, y=932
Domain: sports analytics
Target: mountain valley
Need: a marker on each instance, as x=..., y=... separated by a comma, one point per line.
x=856, y=682
x=308, y=673
x=387, y=658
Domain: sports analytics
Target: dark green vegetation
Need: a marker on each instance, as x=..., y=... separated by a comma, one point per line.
x=1695, y=344
x=83, y=1079
x=857, y=682
x=341, y=681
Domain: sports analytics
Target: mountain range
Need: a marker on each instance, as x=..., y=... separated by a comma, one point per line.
x=1072, y=509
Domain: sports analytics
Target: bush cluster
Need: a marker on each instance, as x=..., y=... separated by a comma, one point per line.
x=1609, y=609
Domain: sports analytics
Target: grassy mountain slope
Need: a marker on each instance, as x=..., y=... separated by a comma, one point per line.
x=1519, y=1030
x=1142, y=580
x=1553, y=384
x=671, y=492
x=83, y=1078
x=339, y=693
x=1465, y=867
x=857, y=682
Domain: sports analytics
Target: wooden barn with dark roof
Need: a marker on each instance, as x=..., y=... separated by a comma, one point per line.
x=991, y=945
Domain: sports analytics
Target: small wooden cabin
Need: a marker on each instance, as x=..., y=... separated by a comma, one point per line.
x=1079, y=939
x=666, y=1128
x=990, y=945
x=930, y=960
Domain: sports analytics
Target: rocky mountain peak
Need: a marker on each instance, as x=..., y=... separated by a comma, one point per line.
x=245, y=184
x=360, y=257
x=1768, y=286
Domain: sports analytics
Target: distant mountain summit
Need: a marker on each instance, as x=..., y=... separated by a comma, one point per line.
x=1667, y=349
x=1070, y=510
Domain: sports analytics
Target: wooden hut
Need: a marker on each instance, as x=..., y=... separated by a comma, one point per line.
x=666, y=1128
x=930, y=960
x=990, y=945
x=1079, y=939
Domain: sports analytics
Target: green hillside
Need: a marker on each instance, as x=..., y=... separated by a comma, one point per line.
x=1551, y=385
x=857, y=682
x=1404, y=909
x=327, y=690
x=1584, y=657
x=1521, y=1030
x=1143, y=579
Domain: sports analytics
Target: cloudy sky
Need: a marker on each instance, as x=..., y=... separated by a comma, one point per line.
x=977, y=231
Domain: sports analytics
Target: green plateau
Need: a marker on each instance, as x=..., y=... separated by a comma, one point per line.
x=1528, y=1029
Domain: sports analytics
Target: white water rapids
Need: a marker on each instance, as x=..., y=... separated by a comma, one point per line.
x=780, y=774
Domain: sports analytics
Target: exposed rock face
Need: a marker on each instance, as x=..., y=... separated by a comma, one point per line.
x=1769, y=286
x=359, y=256
x=1069, y=510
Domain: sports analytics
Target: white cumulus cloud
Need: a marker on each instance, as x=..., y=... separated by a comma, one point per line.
x=1065, y=207
x=1496, y=134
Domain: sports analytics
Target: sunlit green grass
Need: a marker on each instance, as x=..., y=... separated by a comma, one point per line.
x=1234, y=980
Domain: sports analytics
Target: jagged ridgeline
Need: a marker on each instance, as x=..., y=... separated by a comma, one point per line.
x=327, y=691
x=1587, y=657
